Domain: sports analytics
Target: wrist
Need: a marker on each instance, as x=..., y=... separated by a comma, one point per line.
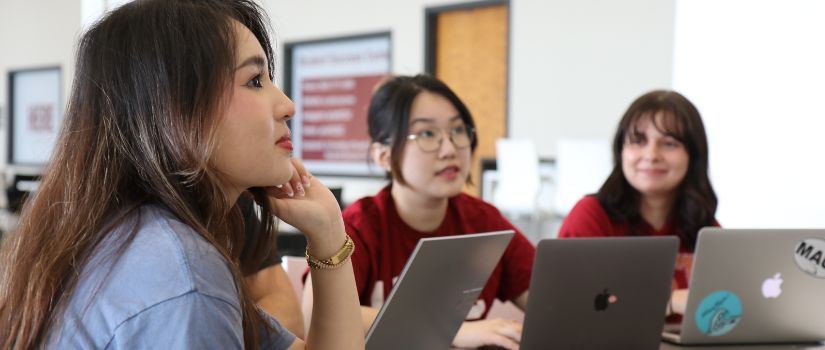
x=323, y=241
x=324, y=245
x=333, y=260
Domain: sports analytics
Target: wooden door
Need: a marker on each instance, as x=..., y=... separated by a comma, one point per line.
x=467, y=49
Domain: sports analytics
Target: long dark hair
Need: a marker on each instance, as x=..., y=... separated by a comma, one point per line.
x=388, y=117
x=696, y=202
x=140, y=127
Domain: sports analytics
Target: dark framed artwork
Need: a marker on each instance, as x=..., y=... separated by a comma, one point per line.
x=331, y=82
x=35, y=115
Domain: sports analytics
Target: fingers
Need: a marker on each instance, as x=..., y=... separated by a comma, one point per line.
x=502, y=341
x=303, y=174
x=287, y=188
x=297, y=184
x=498, y=332
x=507, y=333
x=678, y=301
x=284, y=190
x=511, y=330
x=301, y=170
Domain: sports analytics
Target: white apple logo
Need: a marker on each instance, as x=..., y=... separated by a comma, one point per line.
x=772, y=287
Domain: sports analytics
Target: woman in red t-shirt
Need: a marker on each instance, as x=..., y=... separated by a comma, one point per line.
x=659, y=184
x=423, y=137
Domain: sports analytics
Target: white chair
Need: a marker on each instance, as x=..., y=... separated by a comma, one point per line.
x=582, y=166
x=516, y=192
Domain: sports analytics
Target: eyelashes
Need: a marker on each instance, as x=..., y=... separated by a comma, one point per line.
x=255, y=82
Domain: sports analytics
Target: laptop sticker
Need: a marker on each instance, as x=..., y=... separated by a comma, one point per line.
x=718, y=313
x=809, y=255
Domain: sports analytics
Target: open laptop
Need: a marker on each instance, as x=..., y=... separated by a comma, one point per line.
x=599, y=293
x=755, y=286
x=436, y=289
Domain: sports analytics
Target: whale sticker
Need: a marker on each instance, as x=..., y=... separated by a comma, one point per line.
x=718, y=313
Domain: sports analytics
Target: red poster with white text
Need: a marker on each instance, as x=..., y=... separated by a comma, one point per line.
x=334, y=117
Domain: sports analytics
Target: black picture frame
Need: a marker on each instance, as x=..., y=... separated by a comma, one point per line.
x=35, y=114
x=331, y=80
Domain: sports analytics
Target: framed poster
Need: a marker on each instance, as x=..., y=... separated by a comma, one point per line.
x=331, y=82
x=35, y=114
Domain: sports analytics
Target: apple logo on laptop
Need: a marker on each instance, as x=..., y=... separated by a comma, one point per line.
x=772, y=286
x=603, y=300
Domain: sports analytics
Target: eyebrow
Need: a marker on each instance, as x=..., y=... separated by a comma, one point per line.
x=431, y=120
x=256, y=60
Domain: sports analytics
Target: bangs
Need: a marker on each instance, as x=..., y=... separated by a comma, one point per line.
x=664, y=121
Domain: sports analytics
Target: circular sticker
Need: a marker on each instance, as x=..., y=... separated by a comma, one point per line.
x=718, y=313
x=808, y=255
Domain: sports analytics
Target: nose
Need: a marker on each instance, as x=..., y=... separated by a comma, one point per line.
x=284, y=107
x=651, y=151
x=447, y=148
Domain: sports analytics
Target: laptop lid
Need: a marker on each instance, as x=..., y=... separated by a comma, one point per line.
x=756, y=286
x=599, y=293
x=436, y=289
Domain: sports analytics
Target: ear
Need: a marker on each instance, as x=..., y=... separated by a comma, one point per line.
x=381, y=155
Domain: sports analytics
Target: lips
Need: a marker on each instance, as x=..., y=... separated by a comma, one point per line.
x=285, y=143
x=450, y=170
x=653, y=172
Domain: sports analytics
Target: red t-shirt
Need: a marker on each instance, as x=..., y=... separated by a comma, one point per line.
x=384, y=242
x=589, y=219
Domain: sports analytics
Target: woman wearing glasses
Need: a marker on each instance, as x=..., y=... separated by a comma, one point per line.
x=423, y=137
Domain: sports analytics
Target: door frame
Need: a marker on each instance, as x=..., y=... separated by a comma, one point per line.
x=430, y=42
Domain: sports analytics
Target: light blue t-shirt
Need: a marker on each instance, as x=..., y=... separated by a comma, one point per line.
x=169, y=289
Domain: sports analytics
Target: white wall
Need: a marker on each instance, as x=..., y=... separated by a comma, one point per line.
x=35, y=34
x=576, y=65
x=758, y=83
x=33, y=37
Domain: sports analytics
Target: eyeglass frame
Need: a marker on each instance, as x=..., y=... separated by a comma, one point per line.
x=469, y=130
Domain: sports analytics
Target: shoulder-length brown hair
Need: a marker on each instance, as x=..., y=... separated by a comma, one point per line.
x=696, y=202
x=149, y=89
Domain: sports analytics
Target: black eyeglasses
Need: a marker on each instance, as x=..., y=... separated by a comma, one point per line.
x=430, y=139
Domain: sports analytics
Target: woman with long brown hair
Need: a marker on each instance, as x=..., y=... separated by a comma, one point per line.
x=659, y=185
x=133, y=239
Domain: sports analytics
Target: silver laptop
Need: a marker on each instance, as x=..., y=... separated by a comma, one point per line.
x=599, y=293
x=755, y=286
x=436, y=289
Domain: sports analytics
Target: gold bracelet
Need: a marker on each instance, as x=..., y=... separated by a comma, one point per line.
x=336, y=260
